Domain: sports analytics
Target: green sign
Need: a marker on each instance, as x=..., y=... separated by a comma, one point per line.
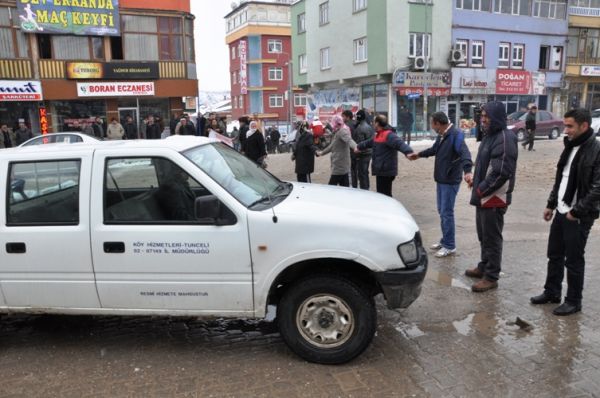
x=76, y=17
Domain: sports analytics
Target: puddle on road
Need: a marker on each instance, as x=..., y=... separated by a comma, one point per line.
x=409, y=331
x=445, y=279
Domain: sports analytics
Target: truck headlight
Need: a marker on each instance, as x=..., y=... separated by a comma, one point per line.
x=409, y=252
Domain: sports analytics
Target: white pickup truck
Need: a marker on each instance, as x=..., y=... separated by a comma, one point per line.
x=187, y=226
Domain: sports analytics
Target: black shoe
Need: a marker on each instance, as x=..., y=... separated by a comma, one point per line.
x=566, y=309
x=545, y=299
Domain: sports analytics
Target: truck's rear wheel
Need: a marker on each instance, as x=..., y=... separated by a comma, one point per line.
x=327, y=319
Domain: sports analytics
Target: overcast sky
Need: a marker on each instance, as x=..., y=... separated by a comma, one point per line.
x=212, y=60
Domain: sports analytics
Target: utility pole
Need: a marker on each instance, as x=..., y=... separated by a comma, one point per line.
x=290, y=95
x=426, y=50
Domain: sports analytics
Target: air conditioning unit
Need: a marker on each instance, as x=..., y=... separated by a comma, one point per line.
x=419, y=63
x=457, y=56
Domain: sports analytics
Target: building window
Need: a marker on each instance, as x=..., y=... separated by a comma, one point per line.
x=325, y=63
x=419, y=45
x=170, y=38
x=276, y=101
x=359, y=5
x=324, y=13
x=301, y=23
x=275, y=74
x=302, y=65
x=139, y=40
x=300, y=100
x=477, y=53
x=555, y=9
x=233, y=52
x=190, y=53
x=504, y=55
x=514, y=7
x=518, y=53
x=462, y=46
x=474, y=5
x=70, y=47
x=544, y=57
x=13, y=42
x=586, y=3
x=274, y=46
x=97, y=47
x=360, y=50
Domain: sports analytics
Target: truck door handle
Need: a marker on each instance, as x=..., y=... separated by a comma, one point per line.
x=16, y=247
x=114, y=247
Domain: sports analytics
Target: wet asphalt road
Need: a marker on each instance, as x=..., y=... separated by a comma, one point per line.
x=450, y=342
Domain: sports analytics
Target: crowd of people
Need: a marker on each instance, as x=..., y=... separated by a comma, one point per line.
x=573, y=204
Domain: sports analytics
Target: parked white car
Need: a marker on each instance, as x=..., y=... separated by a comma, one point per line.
x=596, y=121
x=187, y=226
x=67, y=137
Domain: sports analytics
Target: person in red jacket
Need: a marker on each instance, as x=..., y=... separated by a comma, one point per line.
x=386, y=144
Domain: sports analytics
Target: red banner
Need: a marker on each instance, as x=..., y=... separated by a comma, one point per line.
x=513, y=82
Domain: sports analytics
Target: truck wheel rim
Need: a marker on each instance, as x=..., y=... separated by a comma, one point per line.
x=325, y=321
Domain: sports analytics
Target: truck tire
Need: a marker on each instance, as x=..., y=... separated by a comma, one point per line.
x=327, y=319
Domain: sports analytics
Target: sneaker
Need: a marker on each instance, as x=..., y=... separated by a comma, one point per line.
x=443, y=252
x=436, y=246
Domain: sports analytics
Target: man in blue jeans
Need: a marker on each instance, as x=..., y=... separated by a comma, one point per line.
x=452, y=159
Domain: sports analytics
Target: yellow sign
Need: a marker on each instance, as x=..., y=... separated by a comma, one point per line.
x=85, y=70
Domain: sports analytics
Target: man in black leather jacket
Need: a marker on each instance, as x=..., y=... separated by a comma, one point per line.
x=576, y=198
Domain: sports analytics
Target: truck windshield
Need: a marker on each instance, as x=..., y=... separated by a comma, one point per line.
x=237, y=174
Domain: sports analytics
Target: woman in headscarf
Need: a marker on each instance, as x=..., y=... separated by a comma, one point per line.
x=340, y=147
x=255, y=144
x=304, y=153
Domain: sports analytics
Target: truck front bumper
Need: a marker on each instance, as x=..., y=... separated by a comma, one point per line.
x=401, y=287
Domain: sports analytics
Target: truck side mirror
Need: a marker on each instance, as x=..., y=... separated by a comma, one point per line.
x=208, y=210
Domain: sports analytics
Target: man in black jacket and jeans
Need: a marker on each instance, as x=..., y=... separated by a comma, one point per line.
x=530, y=126
x=493, y=183
x=576, y=198
x=452, y=158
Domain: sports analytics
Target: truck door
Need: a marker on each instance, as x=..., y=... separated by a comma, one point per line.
x=45, y=257
x=150, y=252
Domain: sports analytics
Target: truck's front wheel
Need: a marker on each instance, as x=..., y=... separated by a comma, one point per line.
x=327, y=319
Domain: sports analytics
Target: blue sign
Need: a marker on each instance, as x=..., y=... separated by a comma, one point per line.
x=413, y=96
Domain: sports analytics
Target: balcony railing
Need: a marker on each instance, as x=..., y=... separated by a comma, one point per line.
x=16, y=69
x=172, y=70
x=583, y=60
x=52, y=69
x=584, y=11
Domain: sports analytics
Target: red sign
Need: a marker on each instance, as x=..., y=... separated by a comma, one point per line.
x=431, y=91
x=513, y=82
x=43, y=120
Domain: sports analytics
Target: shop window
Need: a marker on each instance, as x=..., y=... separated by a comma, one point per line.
x=64, y=113
x=375, y=97
x=44, y=193
x=44, y=43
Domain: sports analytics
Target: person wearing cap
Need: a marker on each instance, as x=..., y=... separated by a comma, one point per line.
x=339, y=148
x=22, y=134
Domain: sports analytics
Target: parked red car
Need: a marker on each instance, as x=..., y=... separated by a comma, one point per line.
x=547, y=125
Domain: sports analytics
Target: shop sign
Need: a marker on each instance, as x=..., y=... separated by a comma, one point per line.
x=43, y=120
x=243, y=68
x=538, y=83
x=112, y=70
x=115, y=89
x=420, y=79
x=513, y=82
x=21, y=90
x=473, y=81
x=408, y=83
x=419, y=91
x=75, y=17
x=590, y=70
